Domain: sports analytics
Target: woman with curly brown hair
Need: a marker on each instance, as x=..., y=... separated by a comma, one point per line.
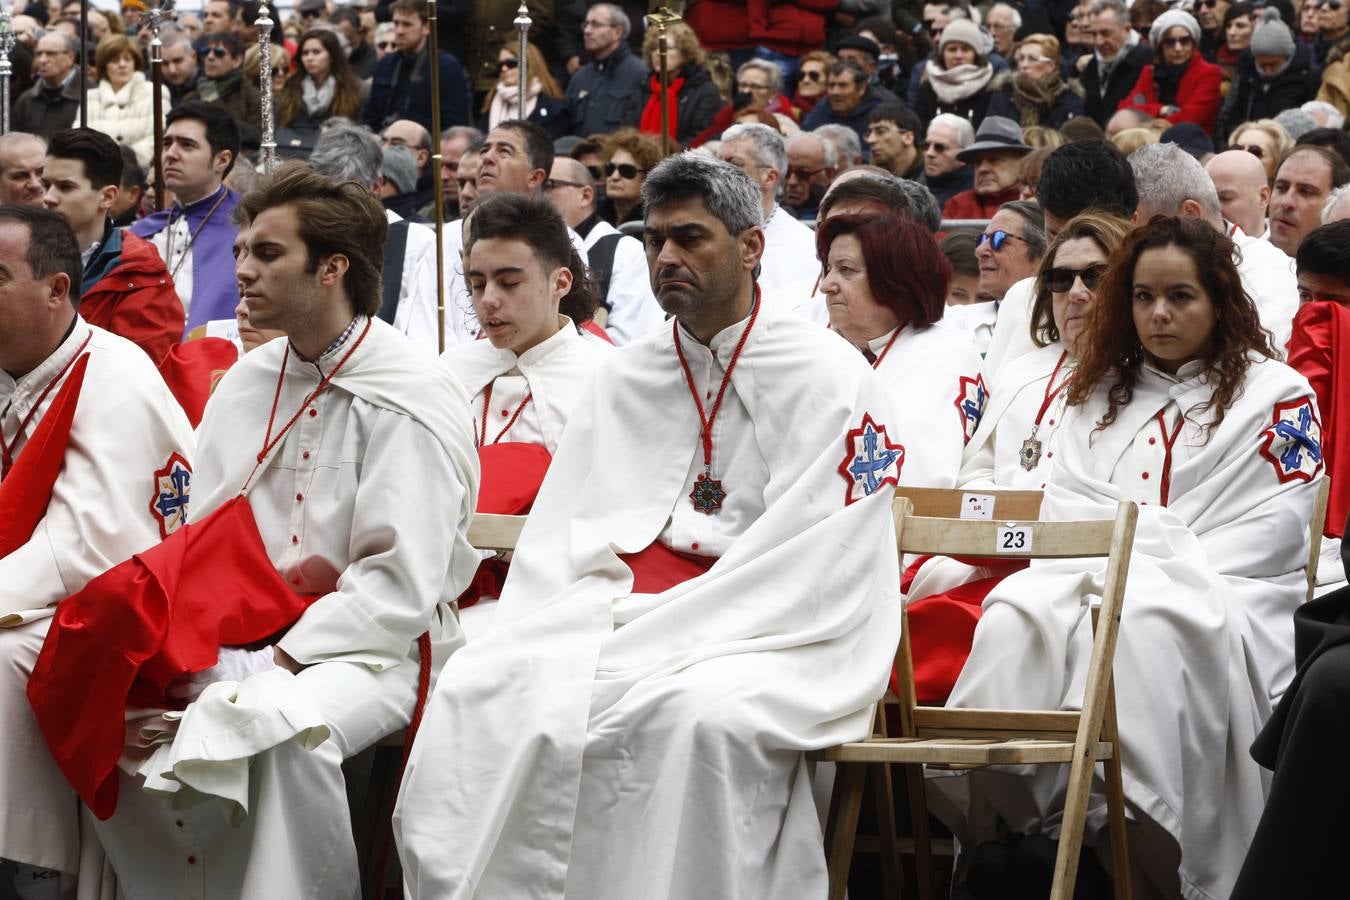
x=323, y=85
x=1178, y=405
x=629, y=156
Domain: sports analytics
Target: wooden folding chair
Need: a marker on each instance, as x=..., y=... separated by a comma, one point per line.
x=929, y=522
x=371, y=818
x=1316, y=527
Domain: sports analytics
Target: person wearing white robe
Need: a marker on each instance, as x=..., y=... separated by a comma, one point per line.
x=364, y=501
x=1220, y=445
x=130, y=445
x=605, y=742
x=534, y=365
x=895, y=320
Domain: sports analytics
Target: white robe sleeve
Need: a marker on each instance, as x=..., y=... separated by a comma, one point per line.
x=1012, y=328
x=416, y=316
x=401, y=550
x=634, y=311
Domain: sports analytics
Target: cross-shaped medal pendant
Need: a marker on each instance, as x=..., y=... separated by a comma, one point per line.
x=707, y=495
x=1031, y=454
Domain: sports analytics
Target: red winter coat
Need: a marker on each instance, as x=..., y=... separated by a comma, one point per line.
x=793, y=28
x=1198, y=94
x=970, y=205
x=136, y=299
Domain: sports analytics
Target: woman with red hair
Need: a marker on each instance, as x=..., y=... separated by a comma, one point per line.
x=895, y=319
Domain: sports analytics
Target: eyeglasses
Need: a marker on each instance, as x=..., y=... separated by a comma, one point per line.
x=384, y=45
x=801, y=173
x=936, y=146
x=1060, y=280
x=508, y=64
x=812, y=75
x=552, y=183
x=997, y=239
x=1184, y=40
x=1332, y=5
x=310, y=13
x=1030, y=59
x=1255, y=150
x=217, y=51
x=626, y=171
x=746, y=87
x=1208, y=4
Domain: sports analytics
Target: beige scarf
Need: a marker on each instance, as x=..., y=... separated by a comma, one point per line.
x=959, y=82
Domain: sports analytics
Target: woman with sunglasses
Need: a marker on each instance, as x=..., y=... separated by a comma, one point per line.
x=1180, y=85
x=1036, y=94
x=322, y=87
x=693, y=99
x=545, y=102
x=1265, y=139
x=1014, y=447
x=1277, y=73
x=812, y=74
x=895, y=320
x=1178, y=405
x=630, y=155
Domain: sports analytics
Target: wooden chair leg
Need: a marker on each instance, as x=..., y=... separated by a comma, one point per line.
x=1115, y=804
x=884, y=794
x=843, y=828
x=923, y=842
x=1071, y=831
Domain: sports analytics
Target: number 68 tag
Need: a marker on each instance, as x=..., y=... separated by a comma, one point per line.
x=1014, y=538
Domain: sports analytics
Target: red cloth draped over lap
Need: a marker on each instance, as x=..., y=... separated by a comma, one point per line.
x=193, y=368
x=512, y=473
x=942, y=628
x=27, y=489
x=1320, y=350
x=659, y=568
x=161, y=614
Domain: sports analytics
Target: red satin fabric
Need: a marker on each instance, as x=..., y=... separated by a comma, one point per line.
x=650, y=122
x=27, y=490
x=659, y=568
x=134, y=629
x=193, y=368
x=512, y=473
x=1320, y=350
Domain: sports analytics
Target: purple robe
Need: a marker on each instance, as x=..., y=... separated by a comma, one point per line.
x=215, y=293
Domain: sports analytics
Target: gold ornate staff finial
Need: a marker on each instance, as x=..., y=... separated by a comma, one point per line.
x=661, y=19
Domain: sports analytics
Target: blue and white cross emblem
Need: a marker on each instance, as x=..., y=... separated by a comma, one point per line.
x=169, y=505
x=870, y=460
x=1292, y=443
x=971, y=399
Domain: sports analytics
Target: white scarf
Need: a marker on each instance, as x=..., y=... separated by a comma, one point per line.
x=506, y=103
x=317, y=99
x=959, y=82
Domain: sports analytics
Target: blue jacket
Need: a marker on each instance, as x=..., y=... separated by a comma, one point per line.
x=386, y=103
x=823, y=114
x=600, y=91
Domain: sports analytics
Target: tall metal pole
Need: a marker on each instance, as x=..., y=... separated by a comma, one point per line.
x=83, y=66
x=269, y=144
x=157, y=14
x=6, y=68
x=523, y=24
x=438, y=196
x=662, y=19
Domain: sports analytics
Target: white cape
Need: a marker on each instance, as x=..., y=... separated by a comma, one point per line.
x=599, y=743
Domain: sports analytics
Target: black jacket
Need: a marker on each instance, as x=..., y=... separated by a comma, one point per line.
x=1118, y=84
x=599, y=92
x=390, y=100
x=945, y=187
x=696, y=104
x=1251, y=97
x=44, y=110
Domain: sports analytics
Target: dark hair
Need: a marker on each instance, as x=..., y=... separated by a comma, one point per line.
x=536, y=222
x=1340, y=171
x=895, y=247
x=904, y=118
x=225, y=39
x=1082, y=128
x=52, y=247
x=880, y=26
x=132, y=173
x=1108, y=232
x=538, y=145
x=959, y=248
x=1332, y=139
x=1113, y=350
x=1085, y=175
x=1237, y=11
x=346, y=14
x=416, y=7
x=844, y=65
x=1324, y=251
x=100, y=154
x=346, y=86
x=222, y=133
x=334, y=218
x=907, y=198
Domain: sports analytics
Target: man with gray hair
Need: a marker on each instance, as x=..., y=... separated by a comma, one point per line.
x=645, y=699
x=847, y=144
x=789, y=269
x=53, y=102
x=1003, y=20
x=813, y=163
x=598, y=92
x=1337, y=206
x=1171, y=182
x=455, y=142
x=180, y=64
x=943, y=171
x=351, y=153
x=1118, y=57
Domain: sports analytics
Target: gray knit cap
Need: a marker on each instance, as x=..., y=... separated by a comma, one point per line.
x=967, y=32
x=1271, y=36
x=1171, y=19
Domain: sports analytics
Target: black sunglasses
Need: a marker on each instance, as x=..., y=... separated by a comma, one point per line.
x=217, y=51
x=385, y=45
x=1255, y=150
x=1184, y=41
x=936, y=146
x=1330, y=4
x=813, y=75
x=597, y=172
x=625, y=170
x=310, y=13
x=508, y=64
x=997, y=239
x=1060, y=279
x=1208, y=4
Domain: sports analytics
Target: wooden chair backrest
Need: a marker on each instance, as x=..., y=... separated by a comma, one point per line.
x=1316, y=527
x=1112, y=539
x=493, y=532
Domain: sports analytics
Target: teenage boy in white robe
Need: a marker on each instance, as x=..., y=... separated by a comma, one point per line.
x=124, y=479
x=690, y=606
x=362, y=494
